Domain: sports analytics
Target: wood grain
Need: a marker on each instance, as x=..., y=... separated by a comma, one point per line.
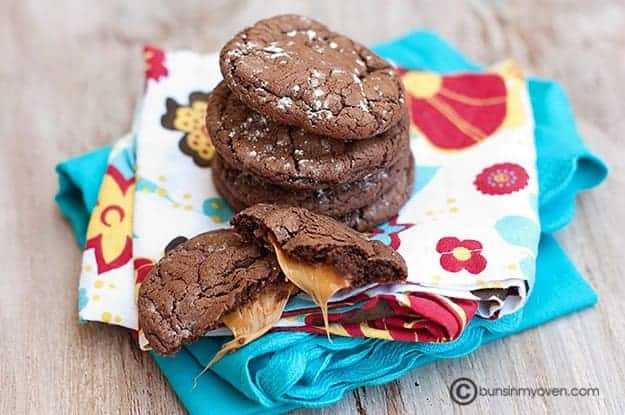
x=70, y=75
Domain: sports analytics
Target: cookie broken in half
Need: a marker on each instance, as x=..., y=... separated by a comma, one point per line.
x=318, y=254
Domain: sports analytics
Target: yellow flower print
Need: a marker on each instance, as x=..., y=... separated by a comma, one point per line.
x=515, y=82
x=109, y=232
x=190, y=120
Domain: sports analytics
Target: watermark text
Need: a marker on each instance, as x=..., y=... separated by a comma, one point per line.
x=464, y=391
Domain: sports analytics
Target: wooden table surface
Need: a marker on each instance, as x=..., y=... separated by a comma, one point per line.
x=70, y=75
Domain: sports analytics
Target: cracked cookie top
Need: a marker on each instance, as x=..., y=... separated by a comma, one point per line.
x=297, y=72
x=198, y=282
x=293, y=157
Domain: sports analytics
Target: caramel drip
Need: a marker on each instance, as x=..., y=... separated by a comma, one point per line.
x=318, y=281
x=253, y=320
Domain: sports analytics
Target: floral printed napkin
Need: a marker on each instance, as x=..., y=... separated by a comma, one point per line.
x=469, y=233
x=471, y=229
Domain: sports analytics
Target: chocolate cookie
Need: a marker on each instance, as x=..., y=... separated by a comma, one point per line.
x=362, y=219
x=293, y=157
x=297, y=72
x=200, y=281
x=383, y=209
x=309, y=238
x=332, y=201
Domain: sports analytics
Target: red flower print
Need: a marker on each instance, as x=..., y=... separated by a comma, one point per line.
x=455, y=112
x=457, y=255
x=142, y=266
x=154, y=63
x=501, y=179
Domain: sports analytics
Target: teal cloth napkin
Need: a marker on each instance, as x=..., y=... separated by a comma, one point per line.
x=282, y=371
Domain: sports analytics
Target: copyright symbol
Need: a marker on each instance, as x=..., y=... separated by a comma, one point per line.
x=463, y=391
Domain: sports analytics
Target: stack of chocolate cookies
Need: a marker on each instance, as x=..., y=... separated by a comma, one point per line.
x=307, y=117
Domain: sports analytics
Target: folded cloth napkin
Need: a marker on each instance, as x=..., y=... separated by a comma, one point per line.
x=323, y=373
x=470, y=230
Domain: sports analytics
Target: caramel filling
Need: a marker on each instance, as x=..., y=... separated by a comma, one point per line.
x=318, y=281
x=250, y=322
x=253, y=320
